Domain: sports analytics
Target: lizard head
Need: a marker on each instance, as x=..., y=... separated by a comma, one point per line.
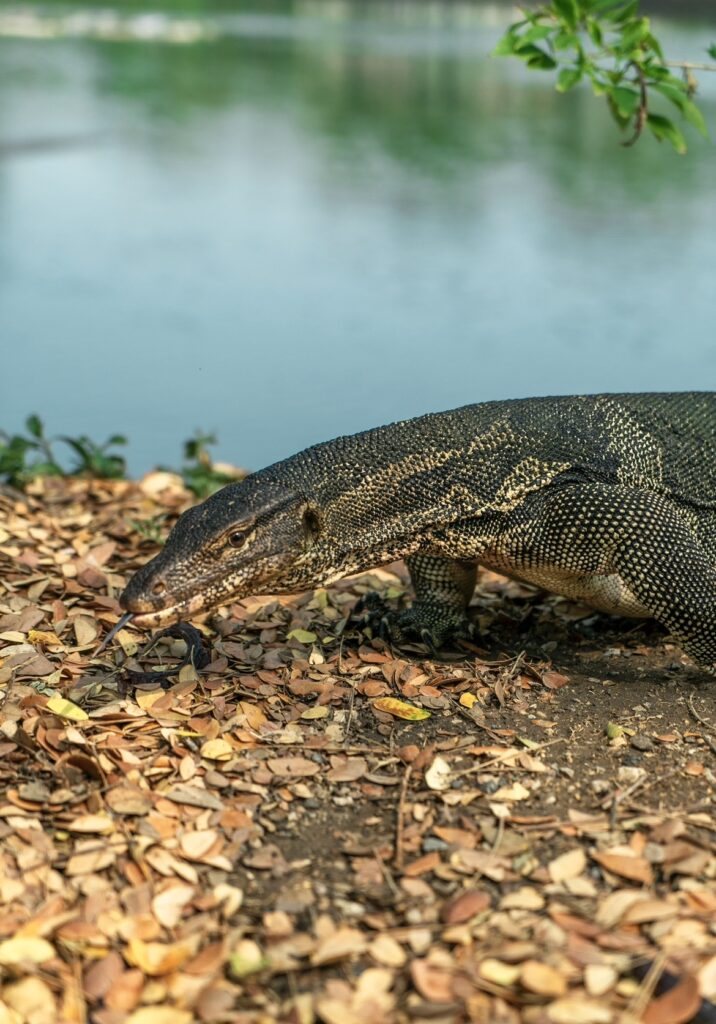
x=248, y=538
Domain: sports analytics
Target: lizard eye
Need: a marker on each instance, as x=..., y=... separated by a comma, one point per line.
x=237, y=538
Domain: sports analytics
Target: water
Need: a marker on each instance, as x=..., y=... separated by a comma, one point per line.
x=309, y=222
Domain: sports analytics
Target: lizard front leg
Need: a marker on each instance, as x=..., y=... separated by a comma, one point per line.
x=443, y=590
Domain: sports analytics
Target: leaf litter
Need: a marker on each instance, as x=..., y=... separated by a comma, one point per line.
x=312, y=826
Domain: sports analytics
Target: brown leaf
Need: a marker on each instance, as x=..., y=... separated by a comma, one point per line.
x=636, y=869
x=465, y=906
x=157, y=958
x=346, y=769
x=568, y=865
x=129, y=800
x=433, y=981
x=339, y=945
x=293, y=767
x=168, y=905
x=422, y=865
x=677, y=1006
x=554, y=681
x=542, y=979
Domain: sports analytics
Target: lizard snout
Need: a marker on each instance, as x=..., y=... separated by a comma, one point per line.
x=147, y=591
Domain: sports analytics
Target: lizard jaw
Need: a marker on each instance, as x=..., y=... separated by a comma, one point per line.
x=174, y=613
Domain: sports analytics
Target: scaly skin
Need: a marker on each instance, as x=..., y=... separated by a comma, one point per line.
x=609, y=498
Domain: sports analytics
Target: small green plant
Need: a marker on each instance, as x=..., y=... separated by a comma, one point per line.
x=151, y=529
x=608, y=44
x=95, y=459
x=24, y=457
x=199, y=473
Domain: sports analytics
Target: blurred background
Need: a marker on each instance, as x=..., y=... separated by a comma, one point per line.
x=286, y=221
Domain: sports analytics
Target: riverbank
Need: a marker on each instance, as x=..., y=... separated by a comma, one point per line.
x=269, y=839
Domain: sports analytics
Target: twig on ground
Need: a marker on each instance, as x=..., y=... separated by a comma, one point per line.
x=400, y=823
x=646, y=990
x=710, y=731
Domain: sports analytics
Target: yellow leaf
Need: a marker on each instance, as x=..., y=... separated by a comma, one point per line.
x=91, y=823
x=146, y=699
x=31, y=999
x=159, y=1015
x=320, y=711
x=302, y=635
x=514, y=792
x=41, y=636
x=400, y=709
x=217, y=750
x=498, y=972
x=66, y=709
x=25, y=949
x=468, y=699
x=157, y=958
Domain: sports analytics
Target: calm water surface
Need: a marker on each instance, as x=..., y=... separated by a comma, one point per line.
x=306, y=223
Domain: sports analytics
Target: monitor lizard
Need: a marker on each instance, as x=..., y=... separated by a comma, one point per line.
x=609, y=499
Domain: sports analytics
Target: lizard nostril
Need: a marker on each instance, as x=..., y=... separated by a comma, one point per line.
x=159, y=588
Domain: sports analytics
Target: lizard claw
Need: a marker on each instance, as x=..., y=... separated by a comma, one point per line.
x=431, y=624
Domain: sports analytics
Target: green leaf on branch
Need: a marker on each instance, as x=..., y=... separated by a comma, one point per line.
x=569, y=10
x=633, y=34
x=508, y=44
x=662, y=128
x=34, y=426
x=608, y=43
x=568, y=78
x=626, y=101
x=540, y=59
x=677, y=93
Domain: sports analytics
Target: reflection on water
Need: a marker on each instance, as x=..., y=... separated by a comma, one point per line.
x=305, y=221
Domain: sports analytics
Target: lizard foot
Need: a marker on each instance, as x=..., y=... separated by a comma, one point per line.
x=431, y=623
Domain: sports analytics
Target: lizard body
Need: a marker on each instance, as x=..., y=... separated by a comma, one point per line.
x=608, y=498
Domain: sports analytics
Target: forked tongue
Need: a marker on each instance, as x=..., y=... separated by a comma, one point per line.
x=127, y=617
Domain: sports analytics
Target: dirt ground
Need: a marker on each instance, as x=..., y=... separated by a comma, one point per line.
x=315, y=827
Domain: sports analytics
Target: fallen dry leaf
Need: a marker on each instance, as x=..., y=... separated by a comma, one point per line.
x=568, y=865
x=465, y=906
x=637, y=869
x=433, y=981
x=542, y=979
x=439, y=775
x=339, y=945
x=677, y=1006
x=399, y=709
x=25, y=949
x=128, y=815
x=158, y=958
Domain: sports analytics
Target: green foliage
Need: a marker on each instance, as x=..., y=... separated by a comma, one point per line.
x=608, y=44
x=151, y=529
x=95, y=460
x=199, y=473
x=24, y=457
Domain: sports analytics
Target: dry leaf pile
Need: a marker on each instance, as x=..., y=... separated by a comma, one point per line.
x=315, y=827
